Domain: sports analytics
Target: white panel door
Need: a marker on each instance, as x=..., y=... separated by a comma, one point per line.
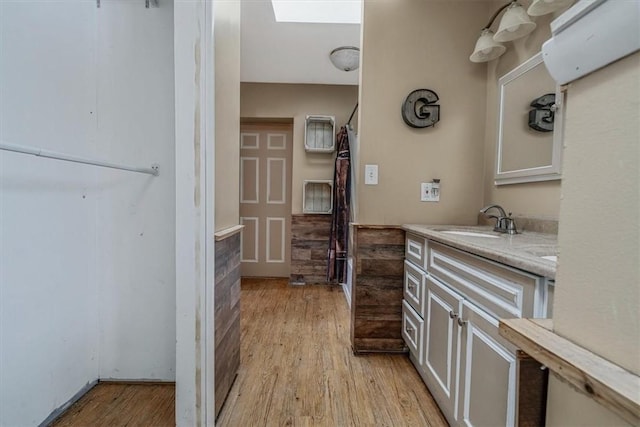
x=265, y=199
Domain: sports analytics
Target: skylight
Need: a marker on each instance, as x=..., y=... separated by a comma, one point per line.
x=318, y=11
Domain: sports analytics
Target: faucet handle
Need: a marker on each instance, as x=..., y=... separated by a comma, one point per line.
x=511, y=225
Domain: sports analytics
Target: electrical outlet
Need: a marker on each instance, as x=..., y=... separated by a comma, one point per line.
x=426, y=189
x=427, y=193
x=371, y=174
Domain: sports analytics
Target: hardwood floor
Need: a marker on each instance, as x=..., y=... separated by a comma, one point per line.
x=118, y=404
x=297, y=367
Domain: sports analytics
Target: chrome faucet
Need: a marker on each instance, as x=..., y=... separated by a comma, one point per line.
x=504, y=222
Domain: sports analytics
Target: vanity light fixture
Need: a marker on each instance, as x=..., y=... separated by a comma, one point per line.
x=486, y=48
x=345, y=58
x=515, y=23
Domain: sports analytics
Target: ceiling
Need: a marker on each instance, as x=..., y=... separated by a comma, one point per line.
x=278, y=52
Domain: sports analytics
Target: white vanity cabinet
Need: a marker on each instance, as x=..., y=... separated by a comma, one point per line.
x=453, y=300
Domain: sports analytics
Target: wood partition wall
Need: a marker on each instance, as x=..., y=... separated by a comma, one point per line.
x=378, y=256
x=227, y=313
x=309, y=245
x=376, y=306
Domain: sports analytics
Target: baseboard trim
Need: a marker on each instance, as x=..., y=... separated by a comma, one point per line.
x=226, y=397
x=61, y=409
x=135, y=382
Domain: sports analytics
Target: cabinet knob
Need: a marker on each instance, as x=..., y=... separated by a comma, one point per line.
x=452, y=314
x=409, y=329
x=462, y=322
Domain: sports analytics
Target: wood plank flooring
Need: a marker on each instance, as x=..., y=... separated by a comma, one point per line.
x=118, y=404
x=298, y=369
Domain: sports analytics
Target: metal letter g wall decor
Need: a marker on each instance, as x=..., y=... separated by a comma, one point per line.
x=419, y=109
x=542, y=116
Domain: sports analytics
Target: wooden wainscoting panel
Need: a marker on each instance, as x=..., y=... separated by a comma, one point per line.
x=227, y=316
x=377, y=291
x=309, y=245
x=532, y=391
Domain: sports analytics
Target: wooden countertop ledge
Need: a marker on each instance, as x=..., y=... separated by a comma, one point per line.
x=610, y=385
x=227, y=232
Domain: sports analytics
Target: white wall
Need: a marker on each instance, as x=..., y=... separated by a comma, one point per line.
x=597, y=294
x=195, y=207
x=227, y=133
x=87, y=268
x=135, y=214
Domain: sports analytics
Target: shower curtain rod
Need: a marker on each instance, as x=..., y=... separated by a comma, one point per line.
x=352, y=113
x=153, y=170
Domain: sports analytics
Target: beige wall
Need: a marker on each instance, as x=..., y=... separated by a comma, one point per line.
x=534, y=200
x=227, y=105
x=295, y=101
x=408, y=45
x=598, y=294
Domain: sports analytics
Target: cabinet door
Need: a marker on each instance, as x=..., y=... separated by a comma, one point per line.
x=487, y=372
x=442, y=336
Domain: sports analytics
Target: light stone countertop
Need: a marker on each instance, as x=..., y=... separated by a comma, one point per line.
x=521, y=251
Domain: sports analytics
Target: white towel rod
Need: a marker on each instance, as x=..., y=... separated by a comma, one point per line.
x=153, y=170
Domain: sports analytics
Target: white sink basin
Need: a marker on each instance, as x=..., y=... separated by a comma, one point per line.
x=471, y=234
x=553, y=258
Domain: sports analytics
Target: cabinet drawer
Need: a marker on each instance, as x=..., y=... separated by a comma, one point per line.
x=502, y=291
x=414, y=287
x=412, y=326
x=416, y=250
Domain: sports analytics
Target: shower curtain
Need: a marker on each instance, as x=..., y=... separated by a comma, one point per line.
x=339, y=238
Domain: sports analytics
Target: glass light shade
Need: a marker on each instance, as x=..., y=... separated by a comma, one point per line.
x=486, y=48
x=345, y=58
x=515, y=23
x=543, y=7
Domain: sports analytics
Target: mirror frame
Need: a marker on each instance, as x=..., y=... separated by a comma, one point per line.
x=539, y=173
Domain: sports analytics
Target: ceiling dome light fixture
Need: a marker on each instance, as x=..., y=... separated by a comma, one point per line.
x=345, y=58
x=515, y=23
x=543, y=7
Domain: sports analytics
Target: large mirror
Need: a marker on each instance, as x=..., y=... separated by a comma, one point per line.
x=529, y=125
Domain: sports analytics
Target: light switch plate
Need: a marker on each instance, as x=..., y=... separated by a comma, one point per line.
x=371, y=174
x=427, y=194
